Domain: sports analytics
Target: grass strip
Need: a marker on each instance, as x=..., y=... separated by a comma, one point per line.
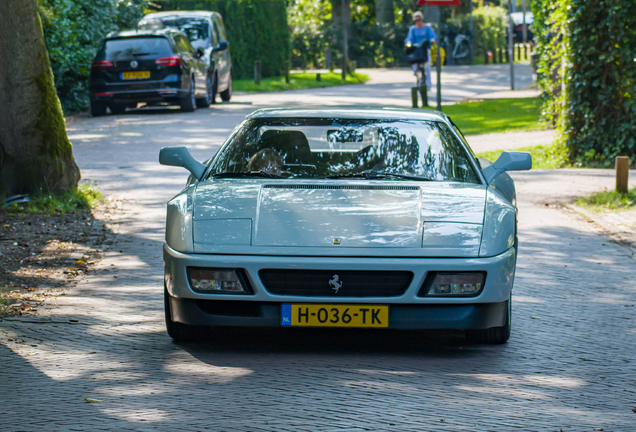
x=609, y=200
x=298, y=81
x=84, y=197
x=496, y=115
x=545, y=157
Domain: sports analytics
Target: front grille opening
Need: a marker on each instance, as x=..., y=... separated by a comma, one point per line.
x=336, y=283
x=230, y=308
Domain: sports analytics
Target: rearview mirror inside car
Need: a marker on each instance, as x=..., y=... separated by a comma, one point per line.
x=181, y=157
x=508, y=161
x=222, y=46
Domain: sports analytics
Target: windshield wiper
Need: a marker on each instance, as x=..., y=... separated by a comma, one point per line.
x=142, y=54
x=239, y=174
x=378, y=175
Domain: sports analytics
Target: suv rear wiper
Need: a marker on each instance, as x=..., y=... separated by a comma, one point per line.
x=378, y=175
x=238, y=174
x=142, y=54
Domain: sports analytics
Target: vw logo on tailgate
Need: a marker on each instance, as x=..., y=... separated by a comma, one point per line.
x=134, y=64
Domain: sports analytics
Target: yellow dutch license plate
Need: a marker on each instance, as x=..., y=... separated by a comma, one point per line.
x=135, y=75
x=334, y=315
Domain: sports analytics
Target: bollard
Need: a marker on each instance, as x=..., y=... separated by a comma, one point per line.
x=485, y=57
x=518, y=52
x=257, y=71
x=424, y=95
x=318, y=78
x=414, y=97
x=328, y=64
x=500, y=54
x=287, y=68
x=622, y=174
x=525, y=51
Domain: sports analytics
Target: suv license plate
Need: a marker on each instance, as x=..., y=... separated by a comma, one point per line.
x=334, y=315
x=135, y=75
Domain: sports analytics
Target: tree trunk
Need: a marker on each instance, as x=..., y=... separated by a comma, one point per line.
x=336, y=13
x=384, y=13
x=35, y=153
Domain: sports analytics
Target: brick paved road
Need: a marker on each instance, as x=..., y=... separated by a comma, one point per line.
x=570, y=364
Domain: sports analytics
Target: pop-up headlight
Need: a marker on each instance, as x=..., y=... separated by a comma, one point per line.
x=215, y=280
x=453, y=284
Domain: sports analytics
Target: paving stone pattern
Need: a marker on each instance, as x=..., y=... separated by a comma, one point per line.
x=569, y=365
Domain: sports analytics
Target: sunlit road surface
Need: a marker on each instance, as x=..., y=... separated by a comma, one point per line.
x=569, y=365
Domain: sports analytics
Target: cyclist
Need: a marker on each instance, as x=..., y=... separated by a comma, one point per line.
x=418, y=33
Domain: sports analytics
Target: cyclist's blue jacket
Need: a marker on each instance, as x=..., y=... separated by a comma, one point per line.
x=418, y=35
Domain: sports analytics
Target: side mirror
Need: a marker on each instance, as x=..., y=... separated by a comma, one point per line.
x=181, y=157
x=222, y=46
x=508, y=161
x=200, y=52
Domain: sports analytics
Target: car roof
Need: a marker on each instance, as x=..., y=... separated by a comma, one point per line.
x=349, y=112
x=141, y=33
x=185, y=14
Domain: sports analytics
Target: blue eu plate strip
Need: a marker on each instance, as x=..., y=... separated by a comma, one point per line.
x=285, y=315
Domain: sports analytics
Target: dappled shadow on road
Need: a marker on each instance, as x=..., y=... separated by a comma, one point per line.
x=383, y=379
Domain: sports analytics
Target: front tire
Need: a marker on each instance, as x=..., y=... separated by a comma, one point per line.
x=494, y=335
x=226, y=94
x=210, y=95
x=177, y=331
x=188, y=103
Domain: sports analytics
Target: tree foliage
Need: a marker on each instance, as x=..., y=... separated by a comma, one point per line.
x=588, y=75
x=73, y=31
x=489, y=26
x=257, y=30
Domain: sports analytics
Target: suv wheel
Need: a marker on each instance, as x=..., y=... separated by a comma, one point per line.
x=210, y=95
x=226, y=94
x=494, y=335
x=188, y=103
x=98, y=109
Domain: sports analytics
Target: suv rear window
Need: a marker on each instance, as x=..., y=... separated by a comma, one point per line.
x=117, y=49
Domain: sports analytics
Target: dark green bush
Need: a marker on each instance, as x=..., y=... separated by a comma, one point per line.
x=257, y=30
x=73, y=30
x=588, y=75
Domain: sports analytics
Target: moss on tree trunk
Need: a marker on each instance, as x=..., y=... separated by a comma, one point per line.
x=35, y=153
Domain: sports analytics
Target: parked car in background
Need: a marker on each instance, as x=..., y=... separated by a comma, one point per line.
x=206, y=31
x=151, y=66
x=517, y=20
x=369, y=218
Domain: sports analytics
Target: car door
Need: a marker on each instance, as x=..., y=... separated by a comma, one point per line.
x=195, y=64
x=222, y=57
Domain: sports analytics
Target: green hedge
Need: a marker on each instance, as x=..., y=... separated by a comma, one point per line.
x=257, y=30
x=73, y=31
x=587, y=71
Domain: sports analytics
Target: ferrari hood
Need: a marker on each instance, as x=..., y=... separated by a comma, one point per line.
x=325, y=218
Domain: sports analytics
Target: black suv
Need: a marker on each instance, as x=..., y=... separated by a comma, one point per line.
x=206, y=30
x=156, y=67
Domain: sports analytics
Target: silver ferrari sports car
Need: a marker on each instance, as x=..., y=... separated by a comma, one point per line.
x=365, y=218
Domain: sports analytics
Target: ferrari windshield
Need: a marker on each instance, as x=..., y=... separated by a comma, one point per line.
x=344, y=148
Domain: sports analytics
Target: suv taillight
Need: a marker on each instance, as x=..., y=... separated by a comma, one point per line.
x=101, y=64
x=169, y=61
